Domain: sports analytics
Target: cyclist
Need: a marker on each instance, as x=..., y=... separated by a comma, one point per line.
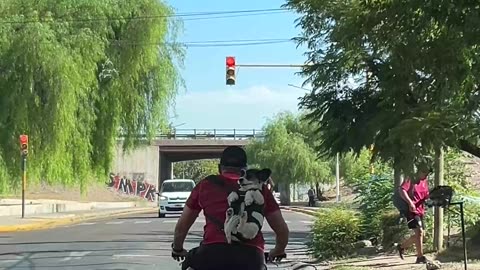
x=214, y=253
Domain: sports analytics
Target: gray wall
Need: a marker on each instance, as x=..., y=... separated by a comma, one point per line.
x=143, y=161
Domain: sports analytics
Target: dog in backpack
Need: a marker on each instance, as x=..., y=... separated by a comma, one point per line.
x=244, y=217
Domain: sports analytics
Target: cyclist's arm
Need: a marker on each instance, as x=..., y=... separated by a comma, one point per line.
x=184, y=224
x=278, y=225
x=189, y=215
x=275, y=220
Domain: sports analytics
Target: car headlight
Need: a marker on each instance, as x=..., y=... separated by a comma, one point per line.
x=163, y=198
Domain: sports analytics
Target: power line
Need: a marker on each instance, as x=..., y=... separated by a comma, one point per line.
x=234, y=16
x=240, y=13
x=238, y=40
x=211, y=43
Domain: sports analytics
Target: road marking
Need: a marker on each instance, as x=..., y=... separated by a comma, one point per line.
x=170, y=221
x=114, y=222
x=142, y=221
x=288, y=221
x=87, y=223
x=76, y=255
x=132, y=255
x=307, y=221
x=9, y=261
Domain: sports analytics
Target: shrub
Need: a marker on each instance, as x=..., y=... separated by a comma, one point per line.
x=335, y=232
x=392, y=231
x=374, y=196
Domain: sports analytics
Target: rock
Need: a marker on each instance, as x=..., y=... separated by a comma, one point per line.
x=433, y=265
x=362, y=244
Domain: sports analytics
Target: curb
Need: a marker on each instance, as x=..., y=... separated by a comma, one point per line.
x=52, y=223
x=299, y=210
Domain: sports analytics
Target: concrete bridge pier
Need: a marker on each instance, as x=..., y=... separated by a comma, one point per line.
x=165, y=169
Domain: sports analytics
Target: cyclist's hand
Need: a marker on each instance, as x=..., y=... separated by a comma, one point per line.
x=276, y=255
x=179, y=254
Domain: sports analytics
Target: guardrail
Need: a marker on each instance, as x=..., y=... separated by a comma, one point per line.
x=235, y=134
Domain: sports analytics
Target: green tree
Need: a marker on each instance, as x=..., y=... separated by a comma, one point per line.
x=195, y=169
x=401, y=75
x=287, y=153
x=76, y=75
x=357, y=168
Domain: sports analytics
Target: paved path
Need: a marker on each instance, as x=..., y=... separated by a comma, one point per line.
x=131, y=242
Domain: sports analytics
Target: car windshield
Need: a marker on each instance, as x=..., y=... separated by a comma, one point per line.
x=177, y=186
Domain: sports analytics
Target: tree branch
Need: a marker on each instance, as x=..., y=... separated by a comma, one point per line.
x=469, y=148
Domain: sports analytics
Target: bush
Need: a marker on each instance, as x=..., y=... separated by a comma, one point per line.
x=392, y=230
x=374, y=196
x=335, y=232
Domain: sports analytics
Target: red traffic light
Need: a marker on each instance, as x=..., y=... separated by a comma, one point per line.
x=24, y=139
x=230, y=61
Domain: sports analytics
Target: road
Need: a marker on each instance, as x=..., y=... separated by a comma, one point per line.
x=129, y=242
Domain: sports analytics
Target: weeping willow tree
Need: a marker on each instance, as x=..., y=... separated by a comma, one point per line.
x=77, y=75
x=287, y=151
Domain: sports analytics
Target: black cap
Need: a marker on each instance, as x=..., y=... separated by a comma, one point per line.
x=234, y=156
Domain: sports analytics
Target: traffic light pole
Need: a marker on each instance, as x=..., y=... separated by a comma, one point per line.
x=271, y=65
x=24, y=182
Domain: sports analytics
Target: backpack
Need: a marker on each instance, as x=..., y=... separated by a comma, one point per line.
x=400, y=203
x=214, y=179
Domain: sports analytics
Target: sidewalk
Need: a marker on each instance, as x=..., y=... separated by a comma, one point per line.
x=11, y=207
x=47, y=221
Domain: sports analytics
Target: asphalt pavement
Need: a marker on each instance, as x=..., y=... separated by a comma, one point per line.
x=128, y=242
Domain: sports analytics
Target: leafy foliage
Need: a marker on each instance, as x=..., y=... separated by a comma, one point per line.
x=401, y=75
x=358, y=168
x=374, y=196
x=456, y=176
x=392, y=231
x=335, y=232
x=195, y=169
x=286, y=151
x=76, y=75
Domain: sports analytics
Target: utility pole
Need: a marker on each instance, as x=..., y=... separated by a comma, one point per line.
x=438, y=219
x=337, y=176
x=24, y=153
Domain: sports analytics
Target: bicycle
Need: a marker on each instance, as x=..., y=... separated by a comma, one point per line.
x=277, y=259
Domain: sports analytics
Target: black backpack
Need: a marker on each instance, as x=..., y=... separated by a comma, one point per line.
x=400, y=203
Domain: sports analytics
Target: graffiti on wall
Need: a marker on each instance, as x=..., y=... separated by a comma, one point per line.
x=135, y=186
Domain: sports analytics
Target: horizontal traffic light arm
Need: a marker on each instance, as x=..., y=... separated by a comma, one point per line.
x=272, y=65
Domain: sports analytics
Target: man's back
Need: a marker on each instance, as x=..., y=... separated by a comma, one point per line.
x=212, y=199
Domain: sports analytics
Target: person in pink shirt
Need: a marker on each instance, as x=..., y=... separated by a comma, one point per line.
x=415, y=193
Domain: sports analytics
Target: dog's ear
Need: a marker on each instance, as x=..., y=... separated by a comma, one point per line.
x=264, y=174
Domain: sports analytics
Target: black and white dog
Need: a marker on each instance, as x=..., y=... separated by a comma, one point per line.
x=244, y=217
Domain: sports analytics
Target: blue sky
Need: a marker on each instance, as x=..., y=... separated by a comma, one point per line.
x=259, y=93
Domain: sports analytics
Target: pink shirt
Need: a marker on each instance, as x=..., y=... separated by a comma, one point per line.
x=420, y=194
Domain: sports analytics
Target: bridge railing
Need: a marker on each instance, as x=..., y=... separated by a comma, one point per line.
x=234, y=134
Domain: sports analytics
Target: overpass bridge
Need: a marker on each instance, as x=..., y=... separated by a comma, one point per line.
x=153, y=162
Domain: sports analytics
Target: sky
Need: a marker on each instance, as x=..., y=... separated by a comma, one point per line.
x=259, y=93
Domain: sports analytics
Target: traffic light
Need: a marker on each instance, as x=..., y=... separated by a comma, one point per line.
x=230, y=62
x=24, y=144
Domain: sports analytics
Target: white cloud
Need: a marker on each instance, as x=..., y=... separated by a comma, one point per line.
x=234, y=108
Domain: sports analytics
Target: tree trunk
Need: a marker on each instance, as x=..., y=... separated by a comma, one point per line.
x=397, y=172
x=438, y=221
x=284, y=189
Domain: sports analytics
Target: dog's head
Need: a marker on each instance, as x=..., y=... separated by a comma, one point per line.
x=253, y=178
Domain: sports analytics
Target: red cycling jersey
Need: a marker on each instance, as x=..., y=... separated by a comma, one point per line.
x=212, y=200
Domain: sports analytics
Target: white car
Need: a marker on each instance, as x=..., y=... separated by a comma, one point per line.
x=173, y=195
